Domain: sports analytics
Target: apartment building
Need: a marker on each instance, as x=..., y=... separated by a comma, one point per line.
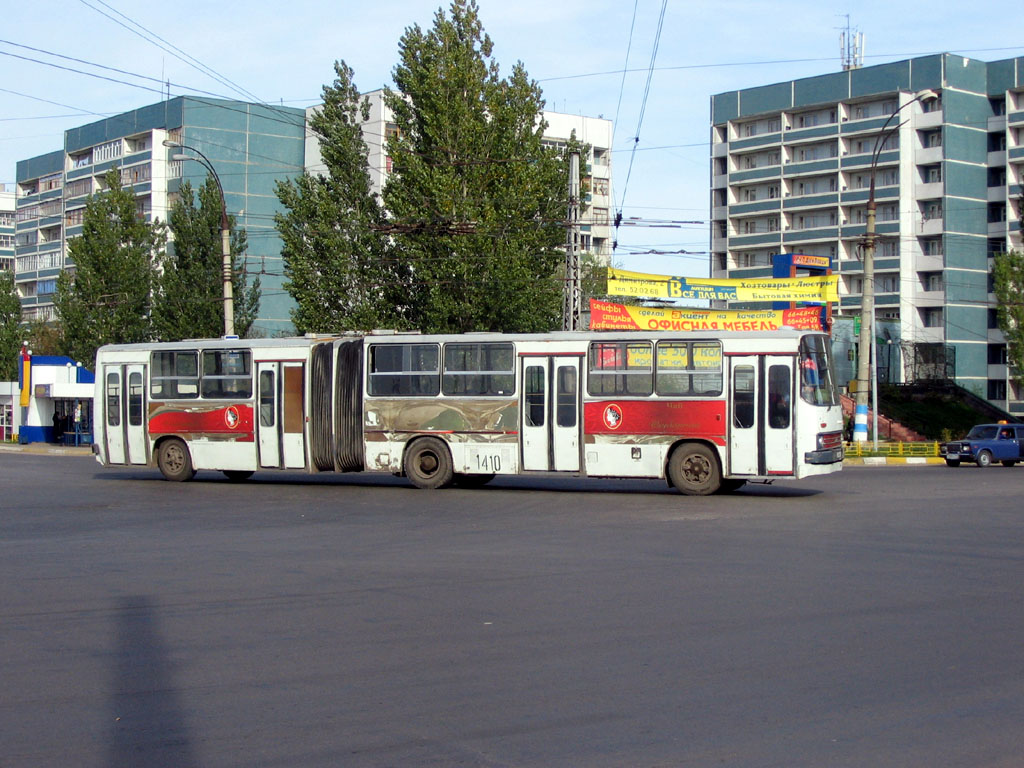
x=250, y=147
x=943, y=136
x=6, y=228
x=596, y=229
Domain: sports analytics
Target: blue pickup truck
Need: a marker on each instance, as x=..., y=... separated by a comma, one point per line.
x=985, y=444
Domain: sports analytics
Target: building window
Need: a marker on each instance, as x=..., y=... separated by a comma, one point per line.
x=888, y=249
x=932, y=210
x=931, y=281
x=818, y=117
x=888, y=284
x=931, y=173
x=997, y=354
x=931, y=139
x=816, y=186
x=822, y=151
x=78, y=188
x=49, y=183
x=932, y=246
x=996, y=389
x=107, y=151
x=931, y=317
x=996, y=142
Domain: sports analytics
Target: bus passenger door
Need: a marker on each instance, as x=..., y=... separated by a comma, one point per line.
x=124, y=413
x=268, y=423
x=280, y=430
x=135, y=423
x=550, y=413
x=293, y=422
x=113, y=430
x=761, y=415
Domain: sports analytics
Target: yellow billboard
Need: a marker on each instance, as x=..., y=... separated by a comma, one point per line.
x=819, y=289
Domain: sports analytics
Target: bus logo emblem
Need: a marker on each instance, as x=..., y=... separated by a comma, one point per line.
x=612, y=416
x=231, y=417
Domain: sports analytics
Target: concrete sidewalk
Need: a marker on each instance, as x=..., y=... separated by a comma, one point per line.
x=47, y=448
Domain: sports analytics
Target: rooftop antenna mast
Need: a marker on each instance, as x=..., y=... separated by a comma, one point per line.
x=851, y=47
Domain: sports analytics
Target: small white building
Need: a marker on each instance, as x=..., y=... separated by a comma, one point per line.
x=51, y=402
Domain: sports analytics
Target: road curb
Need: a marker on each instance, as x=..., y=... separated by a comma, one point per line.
x=45, y=449
x=901, y=461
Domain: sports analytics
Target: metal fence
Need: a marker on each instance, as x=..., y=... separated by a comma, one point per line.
x=856, y=450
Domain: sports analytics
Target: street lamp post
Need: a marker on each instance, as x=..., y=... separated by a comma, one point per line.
x=867, y=306
x=225, y=232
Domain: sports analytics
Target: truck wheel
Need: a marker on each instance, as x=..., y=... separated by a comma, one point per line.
x=175, y=462
x=985, y=459
x=428, y=464
x=693, y=469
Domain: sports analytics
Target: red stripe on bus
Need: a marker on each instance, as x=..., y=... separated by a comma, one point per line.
x=690, y=418
x=234, y=419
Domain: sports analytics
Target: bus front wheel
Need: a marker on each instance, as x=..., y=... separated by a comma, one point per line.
x=428, y=464
x=175, y=462
x=693, y=469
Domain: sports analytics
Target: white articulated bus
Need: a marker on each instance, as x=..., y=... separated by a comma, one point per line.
x=706, y=411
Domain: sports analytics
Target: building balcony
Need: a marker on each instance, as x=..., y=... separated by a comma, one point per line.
x=928, y=155
x=997, y=123
x=929, y=191
x=928, y=262
x=928, y=120
x=997, y=229
x=928, y=334
x=930, y=227
x=926, y=298
x=996, y=194
x=720, y=150
x=996, y=158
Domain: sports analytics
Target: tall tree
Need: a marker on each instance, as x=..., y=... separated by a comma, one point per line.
x=190, y=295
x=338, y=263
x=108, y=296
x=477, y=200
x=1008, y=274
x=10, y=323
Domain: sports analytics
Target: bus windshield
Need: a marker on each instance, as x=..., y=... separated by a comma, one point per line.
x=817, y=377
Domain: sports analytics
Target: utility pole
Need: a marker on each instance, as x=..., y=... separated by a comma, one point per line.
x=571, y=302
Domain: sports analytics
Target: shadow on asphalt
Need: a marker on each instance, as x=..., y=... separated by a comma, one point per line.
x=533, y=484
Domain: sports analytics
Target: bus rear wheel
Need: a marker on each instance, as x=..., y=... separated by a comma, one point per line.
x=693, y=469
x=428, y=464
x=175, y=462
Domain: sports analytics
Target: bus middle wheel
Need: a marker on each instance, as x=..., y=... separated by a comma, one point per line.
x=175, y=462
x=428, y=463
x=693, y=469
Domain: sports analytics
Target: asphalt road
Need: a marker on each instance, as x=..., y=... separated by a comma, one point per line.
x=870, y=618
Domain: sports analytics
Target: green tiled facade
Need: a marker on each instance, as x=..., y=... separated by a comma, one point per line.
x=251, y=147
x=946, y=179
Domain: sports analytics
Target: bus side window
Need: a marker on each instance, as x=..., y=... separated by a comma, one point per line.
x=778, y=397
x=267, y=398
x=114, y=399
x=533, y=388
x=135, y=399
x=566, y=412
x=743, y=396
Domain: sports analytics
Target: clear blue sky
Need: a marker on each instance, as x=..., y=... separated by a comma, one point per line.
x=576, y=49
